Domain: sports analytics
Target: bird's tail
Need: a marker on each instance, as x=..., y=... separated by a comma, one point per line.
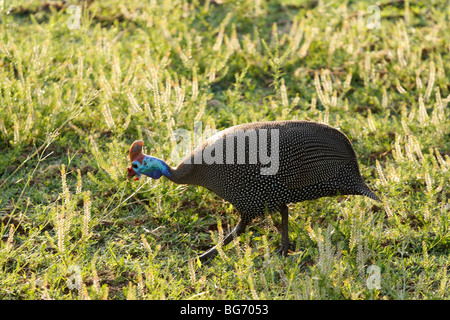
x=365, y=191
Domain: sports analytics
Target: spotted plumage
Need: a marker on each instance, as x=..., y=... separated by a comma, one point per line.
x=261, y=167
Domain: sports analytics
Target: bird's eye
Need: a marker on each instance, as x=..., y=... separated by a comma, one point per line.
x=135, y=166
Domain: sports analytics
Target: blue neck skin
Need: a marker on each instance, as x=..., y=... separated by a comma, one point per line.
x=151, y=167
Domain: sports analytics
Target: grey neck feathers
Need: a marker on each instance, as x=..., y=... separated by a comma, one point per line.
x=180, y=175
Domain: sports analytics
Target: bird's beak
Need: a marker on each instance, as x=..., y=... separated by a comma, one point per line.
x=131, y=173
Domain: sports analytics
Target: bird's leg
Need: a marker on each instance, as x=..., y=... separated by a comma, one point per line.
x=237, y=231
x=285, y=243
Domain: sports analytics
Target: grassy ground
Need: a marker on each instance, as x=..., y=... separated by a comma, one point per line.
x=73, y=99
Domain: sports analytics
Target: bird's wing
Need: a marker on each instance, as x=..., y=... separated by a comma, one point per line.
x=309, y=155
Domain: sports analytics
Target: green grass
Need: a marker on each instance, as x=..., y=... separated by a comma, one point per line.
x=73, y=100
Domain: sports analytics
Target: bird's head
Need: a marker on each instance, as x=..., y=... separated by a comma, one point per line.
x=144, y=164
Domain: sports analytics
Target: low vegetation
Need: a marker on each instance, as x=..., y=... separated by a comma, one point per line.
x=80, y=81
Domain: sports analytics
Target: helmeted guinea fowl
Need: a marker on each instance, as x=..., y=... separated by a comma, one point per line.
x=261, y=167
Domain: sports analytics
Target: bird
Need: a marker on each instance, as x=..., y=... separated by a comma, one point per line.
x=261, y=168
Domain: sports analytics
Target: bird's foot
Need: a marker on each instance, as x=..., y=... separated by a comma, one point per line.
x=284, y=249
